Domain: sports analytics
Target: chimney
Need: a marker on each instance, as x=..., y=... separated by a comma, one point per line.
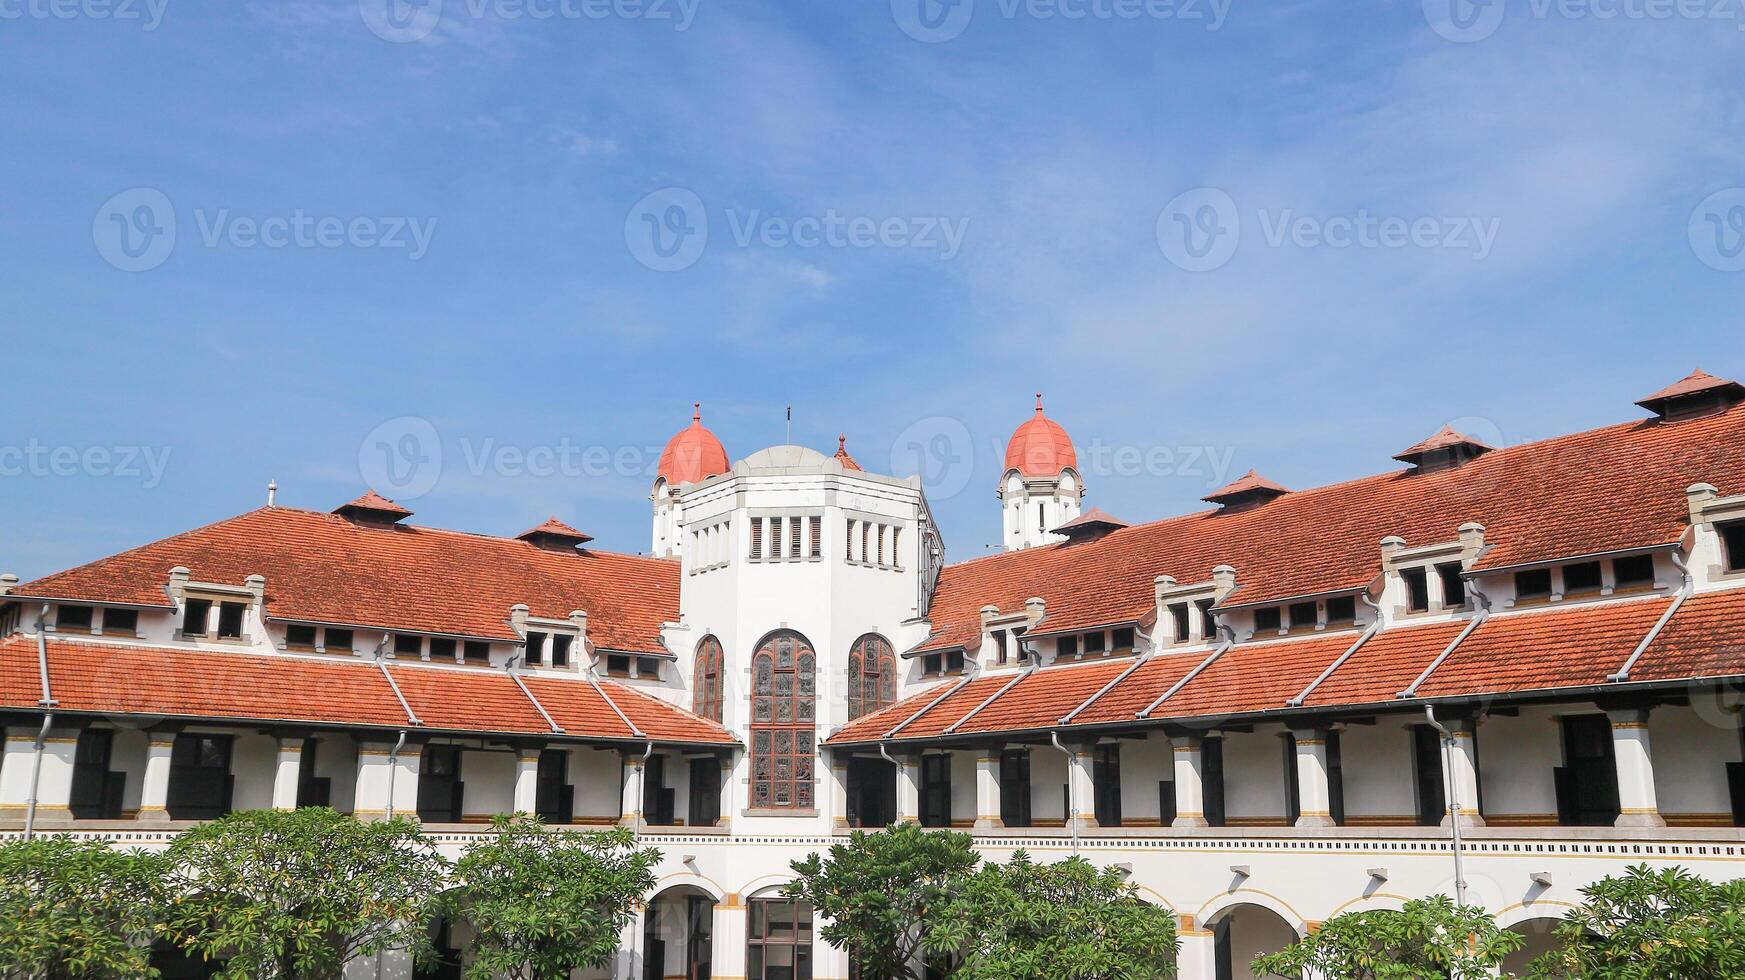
x=178, y=582
x=1035, y=608
x=1391, y=546
x=1699, y=496
x=518, y=618
x=1224, y=577
x=257, y=586
x=8, y=582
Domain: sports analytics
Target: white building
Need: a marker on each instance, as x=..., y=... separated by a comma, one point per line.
x=1235, y=704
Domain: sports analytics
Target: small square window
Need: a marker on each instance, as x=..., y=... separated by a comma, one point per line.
x=73, y=618
x=1535, y=584
x=618, y=664
x=441, y=648
x=338, y=641
x=1341, y=610
x=230, y=620
x=1453, y=586
x=954, y=662
x=1267, y=619
x=1634, y=571
x=1069, y=647
x=1417, y=589
x=407, y=645
x=1094, y=643
x=930, y=664
x=476, y=652
x=195, y=613
x=1733, y=544
x=1583, y=577
x=1178, y=616
x=999, y=638
x=1122, y=638
x=1208, y=620
x=648, y=667
x=121, y=621
x=1303, y=615
x=300, y=636
x=560, y=649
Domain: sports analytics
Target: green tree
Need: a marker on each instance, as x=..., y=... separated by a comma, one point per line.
x=1648, y=925
x=1428, y=939
x=298, y=893
x=1066, y=921
x=542, y=903
x=77, y=908
x=880, y=893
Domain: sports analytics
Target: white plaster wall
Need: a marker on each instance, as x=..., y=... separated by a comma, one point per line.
x=963, y=787
x=596, y=776
x=1047, y=785
x=1377, y=761
x=127, y=755
x=1691, y=751
x=1254, y=775
x=490, y=783
x=336, y=759
x=253, y=760
x=1516, y=757
x=1254, y=932
x=1144, y=762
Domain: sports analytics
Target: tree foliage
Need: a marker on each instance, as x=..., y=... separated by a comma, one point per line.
x=1427, y=939
x=298, y=893
x=77, y=908
x=1066, y=921
x=882, y=893
x=1648, y=925
x=542, y=903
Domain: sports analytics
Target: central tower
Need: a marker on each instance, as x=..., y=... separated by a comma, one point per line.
x=1040, y=486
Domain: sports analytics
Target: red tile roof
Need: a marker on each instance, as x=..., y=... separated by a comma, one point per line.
x=556, y=529
x=1095, y=519
x=1385, y=666
x=694, y=454
x=1445, y=439
x=116, y=679
x=374, y=503
x=1589, y=493
x=842, y=456
x=1250, y=484
x=324, y=568
x=1696, y=382
x=1706, y=638
x=1536, y=651
x=1040, y=447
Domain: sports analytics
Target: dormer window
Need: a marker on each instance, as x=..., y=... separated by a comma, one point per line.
x=935, y=664
x=1304, y=615
x=120, y=621
x=1267, y=620
x=407, y=645
x=73, y=619
x=1069, y=647
x=1582, y=577
x=338, y=641
x=1417, y=589
x=1208, y=623
x=230, y=620
x=441, y=648
x=1453, y=586
x=618, y=664
x=1732, y=545
x=1178, y=617
x=300, y=637
x=535, y=648
x=476, y=652
x=1122, y=639
x=1533, y=584
x=1094, y=644
x=1341, y=610
x=195, y=615
x=560, y=649
x=1634, y=571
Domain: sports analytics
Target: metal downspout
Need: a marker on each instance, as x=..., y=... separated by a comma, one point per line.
x=394, y=770
x=972, y=671
x=1199, y=668
x=1034, y=661
x=1484, y=613
x=1453, y=804
x=48, y=717
x=509, y=668
x=1072, y=802
x=382, y=664
x=1368, y=634
x=600, y=689
x=1684, y=592
x=1138, y=662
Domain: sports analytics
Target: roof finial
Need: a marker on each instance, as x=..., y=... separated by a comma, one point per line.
x=842, y=443
x=272, y=493
x=696, y=411
x=1039, y=403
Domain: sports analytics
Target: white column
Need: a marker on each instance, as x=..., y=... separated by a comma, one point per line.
x=386, y=781
x=908, y=789
x=631, y=811
x=527, y=778
x=988, y=788
x=1637, y=803
x=1198, y=958
x=1461, y=779
x=1190, y=787
x=154, y=787
x=727, y=938
x=1080, y=775
x=286, y=771
x=838, y=790
x=53, y=777
x=1314, y=807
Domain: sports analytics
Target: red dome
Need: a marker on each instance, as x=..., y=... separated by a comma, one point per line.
x=694, y=454
x=1040, y=447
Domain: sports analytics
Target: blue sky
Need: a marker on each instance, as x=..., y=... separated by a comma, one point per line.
x=469, y=288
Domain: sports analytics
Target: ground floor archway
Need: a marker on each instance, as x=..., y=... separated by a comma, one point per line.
x=1242, y=932
x=678, y=935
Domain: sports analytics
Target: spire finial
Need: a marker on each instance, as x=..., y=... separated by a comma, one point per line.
x=1039, y=403
x=842, y=443
x=696, y=411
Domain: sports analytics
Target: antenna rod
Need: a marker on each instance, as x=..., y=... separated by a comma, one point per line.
x=790, y=439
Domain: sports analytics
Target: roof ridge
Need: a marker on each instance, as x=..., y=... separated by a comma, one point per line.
x=18, y=589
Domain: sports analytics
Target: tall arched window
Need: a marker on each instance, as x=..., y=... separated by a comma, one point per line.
x=706, y=679
x=872, y=676
x=783, y=721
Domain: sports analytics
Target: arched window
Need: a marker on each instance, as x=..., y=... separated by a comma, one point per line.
x=872, y=676
x=706, y=679
x=783, y=722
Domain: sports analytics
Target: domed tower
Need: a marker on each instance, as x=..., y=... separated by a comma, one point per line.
x=691, y=456
x=1040, y=487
